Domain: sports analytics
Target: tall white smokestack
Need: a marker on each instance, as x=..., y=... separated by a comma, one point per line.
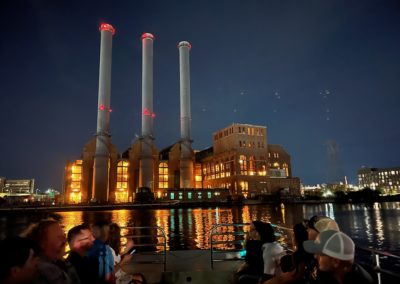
x=146, y=158
x=100, y=188
x=186, y=163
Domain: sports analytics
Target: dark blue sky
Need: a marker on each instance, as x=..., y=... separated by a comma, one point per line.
x=322, y=75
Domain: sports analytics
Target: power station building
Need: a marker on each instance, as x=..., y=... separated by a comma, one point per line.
x=239, y=164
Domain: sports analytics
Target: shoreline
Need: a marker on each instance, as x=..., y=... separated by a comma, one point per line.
x=169, y=205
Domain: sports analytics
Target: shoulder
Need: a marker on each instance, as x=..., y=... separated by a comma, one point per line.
x=49, y=272
x=358, y=273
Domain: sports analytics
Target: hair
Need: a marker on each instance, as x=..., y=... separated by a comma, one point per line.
x=37, y=232
x=15, y=252
x=114, y=240
x=73, y=232
x=269, y=233
x=300, y=235
x=98, y=230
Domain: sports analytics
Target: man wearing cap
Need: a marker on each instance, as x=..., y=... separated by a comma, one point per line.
x=318, y=224
x=334, y=252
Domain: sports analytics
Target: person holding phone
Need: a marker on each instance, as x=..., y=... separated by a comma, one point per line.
x=120, y=260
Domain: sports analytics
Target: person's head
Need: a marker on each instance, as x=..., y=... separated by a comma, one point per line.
x=138, y=278
x=18, y=260
x=255, y=230
x=115, y=237
x=300, y=235
x=267, y=234
x=318, y=224
x=334, y=250
x=80, y=239
x=50, y=237
x=101, y=231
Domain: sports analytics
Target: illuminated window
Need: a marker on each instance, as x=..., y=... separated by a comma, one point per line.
x=244, y=186
x=172, y=195
x=243, y=165
x=217, y=170
x=163, y=175
x=276, y=165
x=208, y=195
x=189, y=195
x=227, y=169
x=197, y=177
x=75, y=195
x=221, y=165
x=252, y=166
x=286, y=168
x=121, y=189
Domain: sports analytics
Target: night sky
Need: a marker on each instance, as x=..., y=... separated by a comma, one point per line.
x=322, y=75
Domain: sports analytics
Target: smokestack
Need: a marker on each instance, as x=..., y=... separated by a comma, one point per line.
x=186, y=164
x=100, y=188
x=146, y=157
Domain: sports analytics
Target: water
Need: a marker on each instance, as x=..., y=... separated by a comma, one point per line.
x=375, y=226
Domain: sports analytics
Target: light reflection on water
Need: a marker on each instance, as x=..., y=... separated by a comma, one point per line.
x=375, y=225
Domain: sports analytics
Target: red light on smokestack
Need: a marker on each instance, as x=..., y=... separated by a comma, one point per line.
x=153, y=115
x=107, y=27
x=185, y=43
x=147, y=35
x=146, y=112
x=102, y=107
x=109, y=109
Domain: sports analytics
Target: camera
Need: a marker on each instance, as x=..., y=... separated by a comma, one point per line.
x=287, y=263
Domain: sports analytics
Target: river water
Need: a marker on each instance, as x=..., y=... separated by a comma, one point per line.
x=374, y=225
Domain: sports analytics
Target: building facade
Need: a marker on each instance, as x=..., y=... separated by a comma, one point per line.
x=240, y=161
x=386, y=179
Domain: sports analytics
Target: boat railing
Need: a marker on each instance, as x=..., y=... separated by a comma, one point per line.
x=150, y=242
x=376, y=258
x=227, y=241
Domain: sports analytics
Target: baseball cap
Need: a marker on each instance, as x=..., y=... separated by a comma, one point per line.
x=321, y=223
x=332, y=243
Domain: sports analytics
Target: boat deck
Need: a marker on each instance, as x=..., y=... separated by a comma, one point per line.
x=185, y=266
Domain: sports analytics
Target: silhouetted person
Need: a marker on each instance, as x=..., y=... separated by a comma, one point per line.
x=335, y=255
x=52, y=268
x=18, y=260
x=80, y=240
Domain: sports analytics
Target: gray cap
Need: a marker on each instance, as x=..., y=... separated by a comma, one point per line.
x=332, y=243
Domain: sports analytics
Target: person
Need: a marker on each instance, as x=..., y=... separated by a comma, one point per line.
x=18, y=260
x=80, y=240
x=253, y=244
x=334, y=251
x=317, y=224
x=120, y=261
x=293, y=266
x=271, y=252
x=52, y=268
x=101, y=252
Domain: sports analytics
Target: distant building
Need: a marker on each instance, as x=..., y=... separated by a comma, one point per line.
x=17, y=190
x=387, y=179
x=240, y=160
x=15, y=187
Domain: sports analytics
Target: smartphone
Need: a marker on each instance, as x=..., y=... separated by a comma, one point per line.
x=131, y=251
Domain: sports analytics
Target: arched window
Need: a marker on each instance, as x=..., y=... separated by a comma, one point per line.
x=75, y=194
x=121, y=189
